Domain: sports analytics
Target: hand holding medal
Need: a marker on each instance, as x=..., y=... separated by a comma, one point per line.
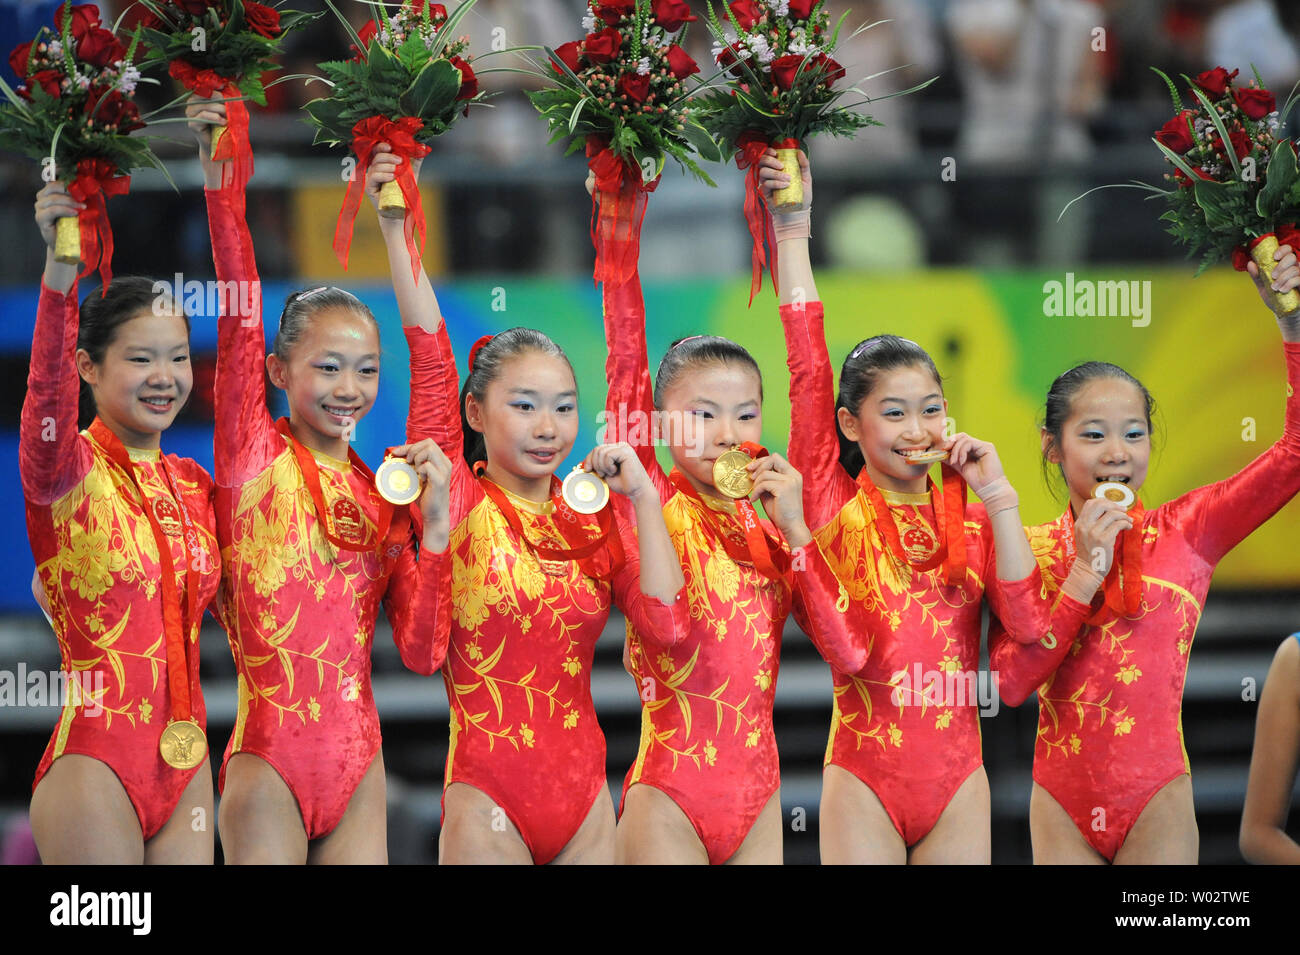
x=422, y=471
x=609, y=467
x=779, y=488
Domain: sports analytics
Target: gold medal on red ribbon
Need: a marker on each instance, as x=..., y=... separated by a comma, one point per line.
x=584, y=491
x=730, y=476
x=1121, y=494
x=169, y=518
x=397, y=481
x=183, y=745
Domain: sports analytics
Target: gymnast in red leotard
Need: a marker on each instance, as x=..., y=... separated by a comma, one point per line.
x=904, y=780
x=310, y=552
x=124, y=538
x=1111, y=775
x=705, y=784
x=532, y=586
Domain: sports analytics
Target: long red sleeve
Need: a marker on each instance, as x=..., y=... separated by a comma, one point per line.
x=665, y=624
x=50, y=458
x=418, y=605
x=244, y=439
x=1021, y=668
x=814, y=443
x=841, y=629
x=629, y=402
x=1218, y=517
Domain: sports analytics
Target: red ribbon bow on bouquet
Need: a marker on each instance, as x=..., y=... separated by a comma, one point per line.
x=618, y=205
x=400, y=137
x=232, y=148
x=96, y=180
x=751, y=147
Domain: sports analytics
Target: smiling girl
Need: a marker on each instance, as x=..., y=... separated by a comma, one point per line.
x=904, y=779
x=125, y=544
x=533, y=586
x=311, y=551
x=1114, y=785
x=705, y=787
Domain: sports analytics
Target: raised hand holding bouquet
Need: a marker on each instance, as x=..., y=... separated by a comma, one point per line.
x=782, y=92
x=220, y=46
x=408, y=83
x=621, y=93
x=74, y=112
x=1236, y=190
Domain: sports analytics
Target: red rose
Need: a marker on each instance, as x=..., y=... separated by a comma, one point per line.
x=437, y=12
x=730, y=59
x=85, y=17
x=365, y=35
x=634, y=86
x=262, y=19
x=1184, y=182
x=1215, y=82
x=111, y=108
x=18, y=60
x=570, y=55
x=833, y=71
x=747, y=12
x=671, y=14
x=611, y=11
x=680, y=62
x=1255, y=103
x=801, y=9
x=468, y=81
x=785, y=69
x=151, y=21
x=1239, y=258
x=1175, y=134
x=100, y=48
x=49, y=80
x=1241, y=143
x=603, y=46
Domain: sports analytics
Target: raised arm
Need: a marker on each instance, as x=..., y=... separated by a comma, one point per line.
x=244, y=438
x=50, y=458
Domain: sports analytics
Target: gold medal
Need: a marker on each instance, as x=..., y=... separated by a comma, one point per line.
x=183, y=745
x=928, y=457
x=1121, y=494
x=585, y=492
x=397, y=481
x=730, y=476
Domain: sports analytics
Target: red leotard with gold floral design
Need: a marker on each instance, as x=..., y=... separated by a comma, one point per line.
x=706, y=715
x=1110, y=728
x=301, y=612
x=523, y=631
x=905, y=724
x=99, y=564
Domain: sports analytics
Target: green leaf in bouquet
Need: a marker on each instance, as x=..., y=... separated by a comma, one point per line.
x=448, y=28
x=252, y=88
x=236, y=22
x=1279, y=180
x=434, y=89
x=1177, y=160
x=1220, y=201
x=702, y=142
x=648, y=158
x=1173, y=90
x=413, y=54
x=326, y=113
x=577, y=112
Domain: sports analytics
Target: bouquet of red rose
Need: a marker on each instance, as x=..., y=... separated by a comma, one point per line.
x=220, y=46
x=75, y=112
x=782, y=91
x=621, y=93
x=408, y=82
x=1236, y=190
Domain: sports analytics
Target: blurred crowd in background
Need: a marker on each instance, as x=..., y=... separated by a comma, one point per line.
x=1035, y=101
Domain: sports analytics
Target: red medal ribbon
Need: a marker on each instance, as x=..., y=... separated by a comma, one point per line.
x=750, y=149
x=618, y=205
x=949, y=514
x=400, y=136
x=96, y=179
x=178, y=619
x=762, y=550
x=1122, y=590
x=390, y=531
x=581, y=548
